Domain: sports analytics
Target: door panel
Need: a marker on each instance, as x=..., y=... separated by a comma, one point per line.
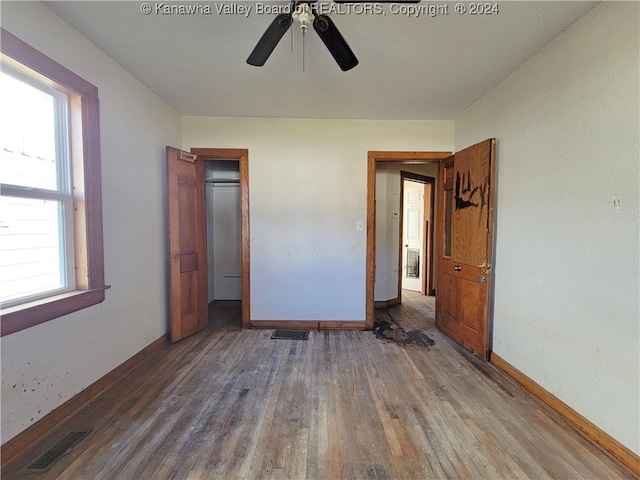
x=465, y=246
x=187, y=248
x=471, y=198
x=448, y=304
x=461, y=314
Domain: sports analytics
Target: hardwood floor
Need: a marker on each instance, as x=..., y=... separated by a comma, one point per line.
x=232, y=403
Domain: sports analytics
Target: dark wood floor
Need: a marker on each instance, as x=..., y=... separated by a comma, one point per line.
x=232, y=403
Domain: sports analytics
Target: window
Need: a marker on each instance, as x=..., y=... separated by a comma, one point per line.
x=36, y=206
x=51, y=258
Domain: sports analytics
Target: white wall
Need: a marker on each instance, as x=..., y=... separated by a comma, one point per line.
x=308, y=188
x=567, y=266
x=45, y=365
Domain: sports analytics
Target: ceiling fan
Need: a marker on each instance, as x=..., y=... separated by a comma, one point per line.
x=305, y=13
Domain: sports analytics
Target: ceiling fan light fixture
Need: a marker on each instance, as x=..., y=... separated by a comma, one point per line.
x=303, y=16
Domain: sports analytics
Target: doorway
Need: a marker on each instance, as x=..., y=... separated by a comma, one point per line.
x=228, y=270
x=224, y=255
x=416, y=265
x=376, y=160
x=465, y=224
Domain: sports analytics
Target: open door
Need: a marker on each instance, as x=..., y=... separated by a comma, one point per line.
x=187, y=244
x=465, y=246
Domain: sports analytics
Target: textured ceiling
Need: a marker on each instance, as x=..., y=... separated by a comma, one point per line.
x=411, y=67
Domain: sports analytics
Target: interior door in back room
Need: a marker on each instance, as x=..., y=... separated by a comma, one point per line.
x=187, y=244
x=413, y=248
x=465, y=246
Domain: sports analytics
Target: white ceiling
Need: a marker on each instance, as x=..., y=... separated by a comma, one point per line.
x=410, y=68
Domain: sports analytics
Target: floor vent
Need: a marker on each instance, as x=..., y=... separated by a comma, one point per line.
x=290, y=334
x=58, y=450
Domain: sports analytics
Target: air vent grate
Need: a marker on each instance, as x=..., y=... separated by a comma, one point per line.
x=290, y=334
x=58, y=450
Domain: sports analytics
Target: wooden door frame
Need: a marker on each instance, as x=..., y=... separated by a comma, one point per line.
x=242, y=157
x=373, y=158
x=427, y=273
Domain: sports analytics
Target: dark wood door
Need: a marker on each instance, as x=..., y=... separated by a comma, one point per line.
x=465, y=246
x=187, y=244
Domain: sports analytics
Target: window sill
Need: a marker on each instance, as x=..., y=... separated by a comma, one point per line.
x=34, y=313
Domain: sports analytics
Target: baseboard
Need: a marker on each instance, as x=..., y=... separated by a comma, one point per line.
x=591, y=431
x=309, y=324
x=42, y=427
x=226, y=303
x=387, y=303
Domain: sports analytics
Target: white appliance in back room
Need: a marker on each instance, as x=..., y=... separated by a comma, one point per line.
x=224, y=256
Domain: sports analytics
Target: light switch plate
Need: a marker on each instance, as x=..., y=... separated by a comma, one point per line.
x=359, y=225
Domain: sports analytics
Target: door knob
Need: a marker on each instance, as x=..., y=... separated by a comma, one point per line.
x=457, y=268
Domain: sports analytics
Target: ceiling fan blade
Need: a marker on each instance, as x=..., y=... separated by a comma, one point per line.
x=334, y=42
x=270, y=39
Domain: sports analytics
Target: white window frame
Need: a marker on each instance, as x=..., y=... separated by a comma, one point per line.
x=62, y=194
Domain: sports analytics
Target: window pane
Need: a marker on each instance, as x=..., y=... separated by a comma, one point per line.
x=31, y=259
x=27, y=135
x=448, y=207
